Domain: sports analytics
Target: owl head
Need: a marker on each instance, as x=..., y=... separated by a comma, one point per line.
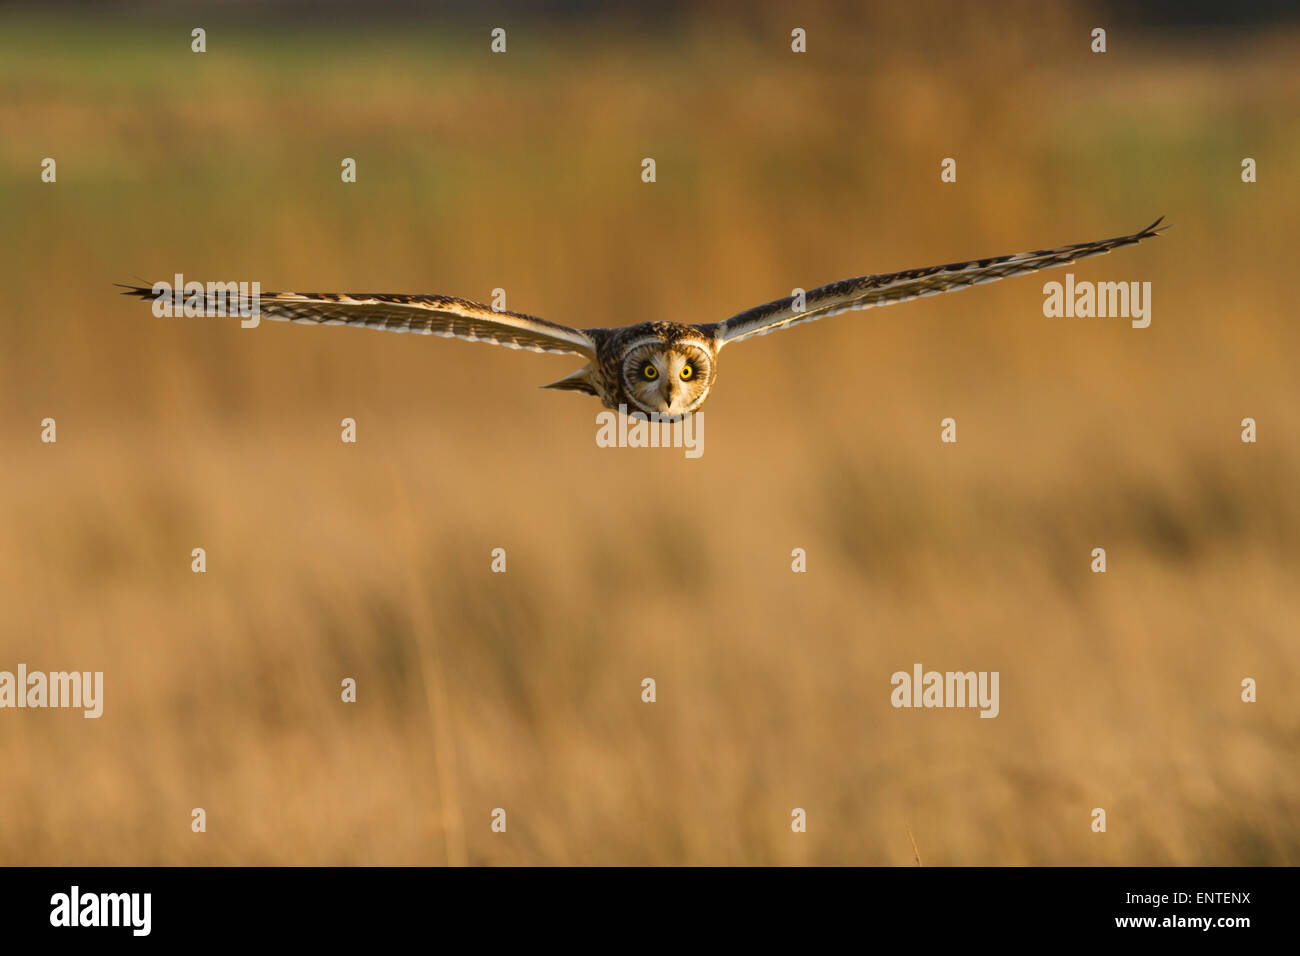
x=669, y=379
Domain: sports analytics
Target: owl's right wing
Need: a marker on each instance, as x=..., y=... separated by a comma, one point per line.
x=421, y=314
x=866, y=292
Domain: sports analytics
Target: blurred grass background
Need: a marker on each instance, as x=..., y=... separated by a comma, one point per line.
x=522, y=690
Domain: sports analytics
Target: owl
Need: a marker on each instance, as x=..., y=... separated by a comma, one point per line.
x=664, y=369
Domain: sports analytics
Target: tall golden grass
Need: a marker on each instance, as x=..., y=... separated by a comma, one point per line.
x=522, y=690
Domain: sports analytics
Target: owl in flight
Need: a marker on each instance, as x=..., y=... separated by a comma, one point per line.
x=661, y=368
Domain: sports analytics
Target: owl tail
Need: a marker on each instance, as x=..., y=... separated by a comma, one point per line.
x=579, y=381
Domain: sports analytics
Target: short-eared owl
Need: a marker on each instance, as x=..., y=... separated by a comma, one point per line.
x=666, y=368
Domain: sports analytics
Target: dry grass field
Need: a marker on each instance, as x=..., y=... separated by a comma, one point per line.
x=522, y=690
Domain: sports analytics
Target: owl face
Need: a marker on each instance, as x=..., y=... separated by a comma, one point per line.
x=668, y=379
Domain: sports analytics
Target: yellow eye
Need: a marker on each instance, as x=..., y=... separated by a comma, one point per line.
x=650, y=372
x=687, y=372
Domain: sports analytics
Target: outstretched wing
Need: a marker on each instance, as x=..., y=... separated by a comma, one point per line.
x=420, y=314
x=866, y=292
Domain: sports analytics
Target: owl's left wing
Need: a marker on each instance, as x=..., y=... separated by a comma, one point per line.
x=421, y=314
x=866, y=292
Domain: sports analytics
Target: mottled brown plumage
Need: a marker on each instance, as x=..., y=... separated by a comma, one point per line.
x=666, y=368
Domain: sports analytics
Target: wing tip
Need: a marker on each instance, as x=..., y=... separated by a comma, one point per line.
x=1155, y=228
